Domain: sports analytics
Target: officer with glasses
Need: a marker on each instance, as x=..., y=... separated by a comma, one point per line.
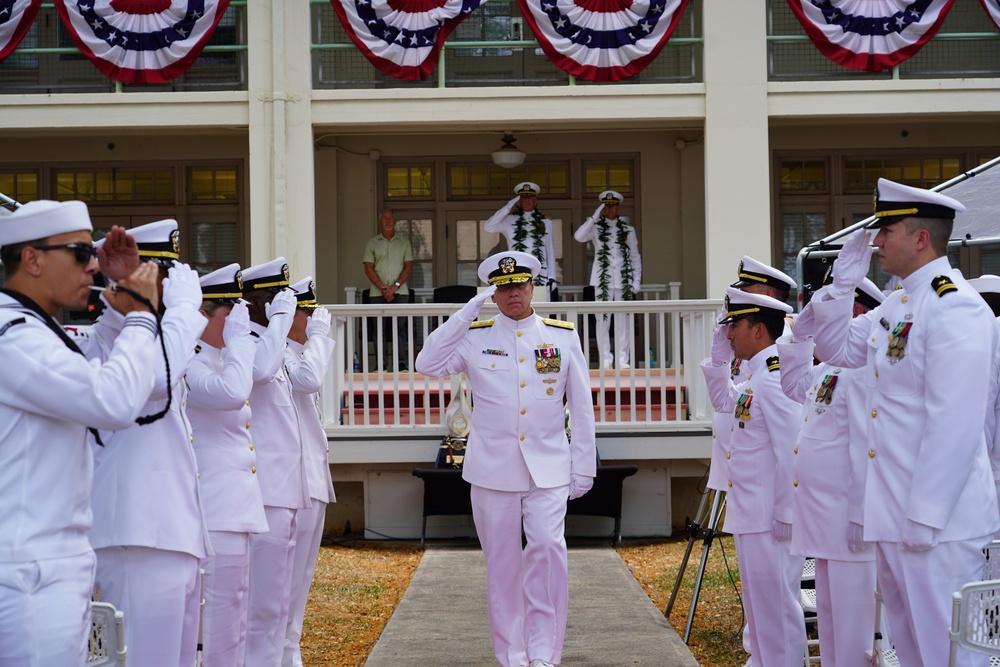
x=49, y=395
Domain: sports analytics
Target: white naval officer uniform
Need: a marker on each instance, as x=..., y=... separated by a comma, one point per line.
x=507, y=224
x=591, y=230
x=307, y=365
x=149, y=529
x=829, y=467
x=519, y=462
x=47, y=397
x=219, y=410
x=926, y=352
x=759, y=491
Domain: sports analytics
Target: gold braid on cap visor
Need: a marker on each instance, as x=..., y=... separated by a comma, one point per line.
x=745, y=311
x=900, y=211
x=221, y=295
x=511, y=278
x=280, y=283
x=750, y=276
x=159, y=253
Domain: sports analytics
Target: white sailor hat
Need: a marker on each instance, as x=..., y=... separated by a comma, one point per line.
x=223, y=285
x=305, y=293
x=752, y=272
x=988, y=287
x=895, y=201
x=740, y=304
x=527, y=189
x=42, y=219
x=506, y=268
x=610, y=197
x=271, y=275
x=158, y=241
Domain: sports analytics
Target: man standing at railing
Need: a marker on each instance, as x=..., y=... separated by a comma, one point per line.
x=522, y=368
x=616, y=274
x=388, y=262
x=528, y=230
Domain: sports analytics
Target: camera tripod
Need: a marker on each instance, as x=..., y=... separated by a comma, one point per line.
x=708, y=535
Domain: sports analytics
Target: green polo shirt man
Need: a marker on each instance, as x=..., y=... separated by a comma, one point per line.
x=388, y=262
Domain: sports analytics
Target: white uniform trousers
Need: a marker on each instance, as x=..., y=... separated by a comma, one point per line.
x=45, y=611
x=159, y=592
x=527, y=590
x=270, y=586
x=845, y=611
x=308, y=535
x=916, y=589
x=747, y=630
x=623, y=333
x=771, y=578
x=227, y=580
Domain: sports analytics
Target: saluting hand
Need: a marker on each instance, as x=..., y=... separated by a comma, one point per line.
x=852, y=264
x=318, y=323
x=118, y=255
x=237, y=324
x=470, y=311
x=722, y=351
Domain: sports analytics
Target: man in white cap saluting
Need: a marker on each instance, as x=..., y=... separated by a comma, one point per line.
x=759, y=485
x=616, y=274
x=930, y=501
x=49, y=396
x=307, y=358
x=527, y=230
x=149, y=529
x=522, y=368
x=281, y=468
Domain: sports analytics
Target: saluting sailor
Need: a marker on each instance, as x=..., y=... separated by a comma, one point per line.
x=521, y=369
x=930, y=501
x=528, y=230
x=616, y=274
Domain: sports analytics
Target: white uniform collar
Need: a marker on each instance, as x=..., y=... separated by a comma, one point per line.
x=514, y=325
x=923, y=276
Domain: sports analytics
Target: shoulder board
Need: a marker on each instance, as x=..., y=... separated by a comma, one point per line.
x=197, y=349
x=773, y=364
x=8, y=325
x=562, y=324
x=254, y=334
x=481, y=324
x=943, y=285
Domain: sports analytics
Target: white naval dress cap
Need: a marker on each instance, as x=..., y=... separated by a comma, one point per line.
x=988, y=287
x=895, y=201
x=752, y=272
x=158, y=241
x=610, y=197
x=271, y=275
x=305, y=293
x=527, y=189
x=740, y=304
x=506, y=268
x=868, y=294
x=223, y=285
x=42, y=219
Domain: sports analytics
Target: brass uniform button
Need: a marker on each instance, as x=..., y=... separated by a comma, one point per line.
x=795, y=483
x=871, y=453
x=714, y=436
x=519, y=334
x=251, y=447
x=905, y=299
x=248, y=424
x=521, y=438
x=806, y=418
x=493, y=365
x=874, y=413
x=730, y=483
x=523, y=411
x=254, y=470
x=520, y=358
x=874, y=339
x=247, y=402
x=796, y=450
x=191, y=438
x=728, y=456
x=550, y=391
x=522, y=385
x=876, y=372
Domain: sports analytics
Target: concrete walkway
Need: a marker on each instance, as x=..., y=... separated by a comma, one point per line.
x=442, y=619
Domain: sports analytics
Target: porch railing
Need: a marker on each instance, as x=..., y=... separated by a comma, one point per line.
x=368, y=393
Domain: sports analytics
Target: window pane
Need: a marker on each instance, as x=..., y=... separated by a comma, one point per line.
x=422, y=275
x=419, y=232
x=397, y=183
x=420, y=181
x=466, y=240
x=460, y=181
x=225, y=184
x=202, y=187
x=489, y=242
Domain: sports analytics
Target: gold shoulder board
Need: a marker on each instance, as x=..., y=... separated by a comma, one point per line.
x=480, y=325
x=943, y=285
x=562, y=324
x=773, y=364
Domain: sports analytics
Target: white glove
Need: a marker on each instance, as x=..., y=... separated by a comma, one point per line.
x=852, y=264
x=722, y=350
x=237, y=324
x=579, y=485
x=283, y=303
x=856, y=538
x=181, y=287
x=318, y=323
x=514, y=200
x=918, y=536
x=781, y=531
x=470, y=311
x=804, y=326
x=597, y=212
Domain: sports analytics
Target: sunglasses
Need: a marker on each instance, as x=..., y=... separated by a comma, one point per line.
x=82, y=252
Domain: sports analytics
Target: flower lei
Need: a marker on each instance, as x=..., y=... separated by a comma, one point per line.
x=604, y=258
x=537, y=234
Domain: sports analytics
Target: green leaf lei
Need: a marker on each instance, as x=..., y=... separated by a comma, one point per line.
x=604, y=258
x=537, y=234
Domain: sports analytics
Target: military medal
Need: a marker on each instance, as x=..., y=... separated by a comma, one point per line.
x=743, y=408
x=897, y=342
x=825, y=392
x=547, y=360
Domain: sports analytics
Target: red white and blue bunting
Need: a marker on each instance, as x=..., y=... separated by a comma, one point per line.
x=992, y=8
x=402, y=38
x=870, y=35
x=602, y=40
x=141, y=41
x=16, y=17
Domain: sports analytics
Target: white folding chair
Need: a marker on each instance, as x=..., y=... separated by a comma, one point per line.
x=975, y=619
x=106, y=645
x=882, y=654
x=807, y=600
x=991, y=570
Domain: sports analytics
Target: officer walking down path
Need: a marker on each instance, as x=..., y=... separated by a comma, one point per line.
x=930, y=502
x=521, y=368
x=49, y=395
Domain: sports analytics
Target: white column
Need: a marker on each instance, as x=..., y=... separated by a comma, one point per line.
x=737, y=165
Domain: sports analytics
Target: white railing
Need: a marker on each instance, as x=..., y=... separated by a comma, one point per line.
x=663, y=390
x=647, y=291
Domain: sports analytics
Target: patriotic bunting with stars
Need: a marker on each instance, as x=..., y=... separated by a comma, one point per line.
x=16, y=17
x=992, y=8
x=870, y=35
x=141, y=41
x=402, y=38
x=602, y=40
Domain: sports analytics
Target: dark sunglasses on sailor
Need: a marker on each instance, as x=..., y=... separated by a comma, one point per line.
x=82, y=252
